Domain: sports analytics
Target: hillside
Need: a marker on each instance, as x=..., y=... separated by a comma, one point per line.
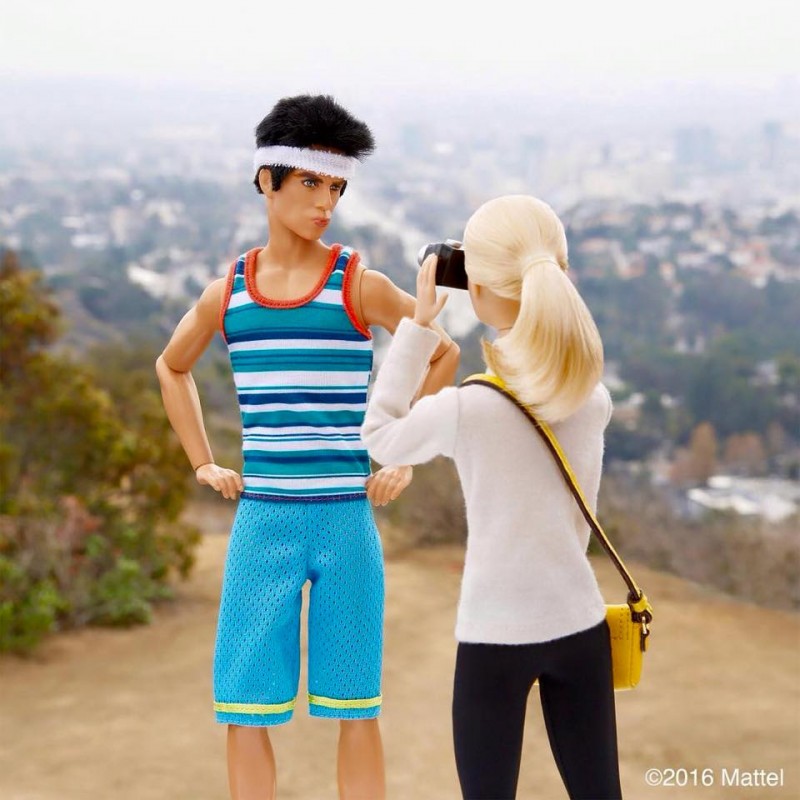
x=127, y=714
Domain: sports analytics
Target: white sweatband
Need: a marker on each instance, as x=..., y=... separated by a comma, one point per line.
x=320, y=161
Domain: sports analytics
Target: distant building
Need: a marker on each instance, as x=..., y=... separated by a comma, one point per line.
x=695, y=147
x=772, y=143
x=532, y=152
x=774, y=499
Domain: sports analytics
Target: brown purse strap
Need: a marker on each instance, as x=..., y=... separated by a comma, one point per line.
x=636, y=597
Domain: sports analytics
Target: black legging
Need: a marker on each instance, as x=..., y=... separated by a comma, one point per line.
x=492, y=682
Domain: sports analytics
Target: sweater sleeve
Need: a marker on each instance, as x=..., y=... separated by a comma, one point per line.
x=393, y=431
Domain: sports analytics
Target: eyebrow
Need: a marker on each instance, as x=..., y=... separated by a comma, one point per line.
x=317, y=177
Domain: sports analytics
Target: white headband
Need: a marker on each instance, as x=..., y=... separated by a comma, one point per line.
x=321, y=161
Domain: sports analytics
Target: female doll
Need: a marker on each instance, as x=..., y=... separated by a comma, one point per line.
x=530, y=607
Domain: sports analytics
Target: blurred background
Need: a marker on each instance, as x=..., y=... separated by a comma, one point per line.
x=668, y=140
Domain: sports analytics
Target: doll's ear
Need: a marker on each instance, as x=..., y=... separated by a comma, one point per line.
x=265, y=181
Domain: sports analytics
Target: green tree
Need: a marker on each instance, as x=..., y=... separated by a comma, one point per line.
x=92, y=482
x=723, y=393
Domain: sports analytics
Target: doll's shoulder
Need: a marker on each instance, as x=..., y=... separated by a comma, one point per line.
x=596, y=410
x=604, y=403
x=484, y=402
x=215, y=289
x=380, y=300
x=480, y=402
x=210, y=300
x=373, y=280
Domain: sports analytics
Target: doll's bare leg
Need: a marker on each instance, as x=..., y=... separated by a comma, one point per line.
x=361, y=771
x=251, y=764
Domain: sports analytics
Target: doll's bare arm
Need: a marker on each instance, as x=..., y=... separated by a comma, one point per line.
x=385, y=304
x=173, y=367
x=190, y=339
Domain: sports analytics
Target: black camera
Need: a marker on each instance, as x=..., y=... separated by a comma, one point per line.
x=450, y=269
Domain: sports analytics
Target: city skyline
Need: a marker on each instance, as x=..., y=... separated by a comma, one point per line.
x=47, y=111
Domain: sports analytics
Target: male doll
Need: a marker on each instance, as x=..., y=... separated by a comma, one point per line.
x=295, y=315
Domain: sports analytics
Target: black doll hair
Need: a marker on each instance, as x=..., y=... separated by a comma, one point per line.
x=306, y=120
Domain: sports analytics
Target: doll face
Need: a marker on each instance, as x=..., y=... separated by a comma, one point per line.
x=304, y=204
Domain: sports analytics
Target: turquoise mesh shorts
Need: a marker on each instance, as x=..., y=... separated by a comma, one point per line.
x=274, y=548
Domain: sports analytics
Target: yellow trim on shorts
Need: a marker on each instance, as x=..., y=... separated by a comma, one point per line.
x=330, y=702
x=254, y=708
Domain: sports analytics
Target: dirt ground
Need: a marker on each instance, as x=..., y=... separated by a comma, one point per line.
x=127, y=714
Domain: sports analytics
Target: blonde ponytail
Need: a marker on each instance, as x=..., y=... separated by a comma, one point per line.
x=552, y=357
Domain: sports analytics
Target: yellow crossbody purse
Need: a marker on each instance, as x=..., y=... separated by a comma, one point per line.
x=628, y=623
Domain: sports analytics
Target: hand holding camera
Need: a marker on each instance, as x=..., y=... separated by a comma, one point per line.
x=428, y=305
x=450, y=269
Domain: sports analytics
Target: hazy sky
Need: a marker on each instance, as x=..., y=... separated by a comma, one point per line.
x=349, y=47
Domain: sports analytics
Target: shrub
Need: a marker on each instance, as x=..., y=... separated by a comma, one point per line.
x=92, y=480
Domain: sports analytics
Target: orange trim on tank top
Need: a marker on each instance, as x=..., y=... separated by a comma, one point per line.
x=256, y=296
x=227, y=298
x=349, y=270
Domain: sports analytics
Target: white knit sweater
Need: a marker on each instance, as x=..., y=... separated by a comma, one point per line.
x=526, y=575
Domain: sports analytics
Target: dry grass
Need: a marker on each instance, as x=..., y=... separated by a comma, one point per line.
x=127, y=714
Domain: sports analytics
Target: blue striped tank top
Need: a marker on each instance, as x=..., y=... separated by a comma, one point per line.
x=302, y=369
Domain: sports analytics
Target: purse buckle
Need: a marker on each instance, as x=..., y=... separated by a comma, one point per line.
x=645, y=633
